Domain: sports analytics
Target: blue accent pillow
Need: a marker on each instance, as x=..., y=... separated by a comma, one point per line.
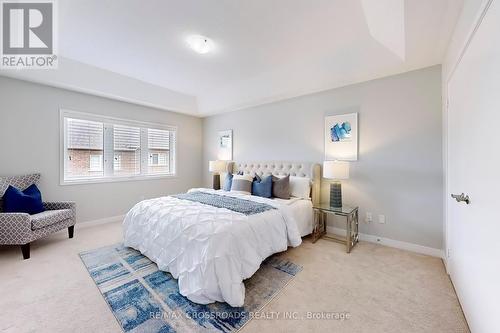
x=27, y=201
x=228, y=182
x=262, y=187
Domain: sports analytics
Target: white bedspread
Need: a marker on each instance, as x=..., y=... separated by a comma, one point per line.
x=209, y=250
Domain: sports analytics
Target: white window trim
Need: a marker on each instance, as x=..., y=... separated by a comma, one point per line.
x=65, y=113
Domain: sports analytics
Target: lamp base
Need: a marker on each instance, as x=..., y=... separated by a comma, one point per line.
x=336, y=195
x=216, y=182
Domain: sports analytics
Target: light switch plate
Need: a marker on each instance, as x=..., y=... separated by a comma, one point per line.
x=381, y=219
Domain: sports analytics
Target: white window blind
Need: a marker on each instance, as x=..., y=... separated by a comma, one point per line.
x=127, y=150
x=85, y=148
x=102, y=149
x=159, y=151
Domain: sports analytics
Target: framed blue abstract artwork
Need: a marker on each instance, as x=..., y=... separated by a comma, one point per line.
x=341, y=137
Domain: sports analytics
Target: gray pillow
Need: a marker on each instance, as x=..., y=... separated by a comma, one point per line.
x=281, y=187
x=242, y=184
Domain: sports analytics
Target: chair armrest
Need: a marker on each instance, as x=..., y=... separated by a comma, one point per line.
x=59, y=205
x=14, y=227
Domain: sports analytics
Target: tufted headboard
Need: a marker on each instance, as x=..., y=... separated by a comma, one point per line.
x=283, y=168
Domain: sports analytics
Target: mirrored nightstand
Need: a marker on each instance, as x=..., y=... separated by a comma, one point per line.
x=351, y=217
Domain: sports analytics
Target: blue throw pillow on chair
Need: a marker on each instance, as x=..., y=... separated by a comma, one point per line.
x=262, y=187
x=27, y=201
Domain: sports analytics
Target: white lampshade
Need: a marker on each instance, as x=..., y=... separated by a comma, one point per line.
x=336, y=169
x=217, y=166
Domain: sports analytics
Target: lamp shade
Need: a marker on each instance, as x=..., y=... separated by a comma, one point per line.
x=336, y=169
x=217, y=166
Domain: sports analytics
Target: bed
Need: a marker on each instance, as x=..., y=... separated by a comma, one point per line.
x=213, y=240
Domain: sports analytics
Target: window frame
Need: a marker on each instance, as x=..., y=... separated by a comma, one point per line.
x=107, y=121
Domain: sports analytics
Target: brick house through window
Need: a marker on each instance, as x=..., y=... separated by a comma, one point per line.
x=85, y=148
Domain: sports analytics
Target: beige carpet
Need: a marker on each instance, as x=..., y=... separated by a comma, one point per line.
x=382, y=289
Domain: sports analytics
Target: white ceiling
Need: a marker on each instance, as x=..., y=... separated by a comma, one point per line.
x=266, y=50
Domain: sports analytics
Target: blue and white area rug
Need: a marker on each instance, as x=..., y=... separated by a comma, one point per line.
x=145, y=299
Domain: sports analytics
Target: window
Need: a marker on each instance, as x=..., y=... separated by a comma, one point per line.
x=118, y=162
x=98, y=148
x=95, y=163
x=158, y=149
x=127, y=150
x=84, y=148
x=158, y=159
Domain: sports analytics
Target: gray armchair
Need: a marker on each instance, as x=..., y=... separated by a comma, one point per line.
x=21, y=228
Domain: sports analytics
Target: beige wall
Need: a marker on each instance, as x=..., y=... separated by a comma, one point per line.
x=399, y=172
x=29, y=142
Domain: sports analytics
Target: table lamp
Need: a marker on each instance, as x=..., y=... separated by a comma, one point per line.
x=216, y=167
x=336, y=170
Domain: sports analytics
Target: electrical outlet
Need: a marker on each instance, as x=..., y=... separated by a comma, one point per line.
x=369, y=217
x=381, y=219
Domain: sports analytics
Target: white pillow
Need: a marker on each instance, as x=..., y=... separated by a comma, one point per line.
x=242, y=184
x=300, y=187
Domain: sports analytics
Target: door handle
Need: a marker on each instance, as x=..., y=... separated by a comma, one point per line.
x=461, y=198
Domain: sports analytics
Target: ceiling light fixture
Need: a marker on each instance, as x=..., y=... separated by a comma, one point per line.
x=200, y=44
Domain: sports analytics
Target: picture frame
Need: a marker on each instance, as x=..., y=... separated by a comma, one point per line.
x=341, y=137
x=225, y=145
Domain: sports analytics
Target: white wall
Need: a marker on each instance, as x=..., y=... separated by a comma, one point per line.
x=399, y=171
x=29, y=142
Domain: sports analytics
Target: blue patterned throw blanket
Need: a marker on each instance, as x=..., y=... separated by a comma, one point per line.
x=238, y=205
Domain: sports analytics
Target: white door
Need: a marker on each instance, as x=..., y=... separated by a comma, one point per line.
x=474, y=168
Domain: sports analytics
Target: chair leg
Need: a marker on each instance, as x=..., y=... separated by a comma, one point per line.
x=25, y=249
x=71, y=231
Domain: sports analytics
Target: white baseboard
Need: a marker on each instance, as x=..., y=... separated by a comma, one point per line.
x=392, y=243
x=105, y=220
